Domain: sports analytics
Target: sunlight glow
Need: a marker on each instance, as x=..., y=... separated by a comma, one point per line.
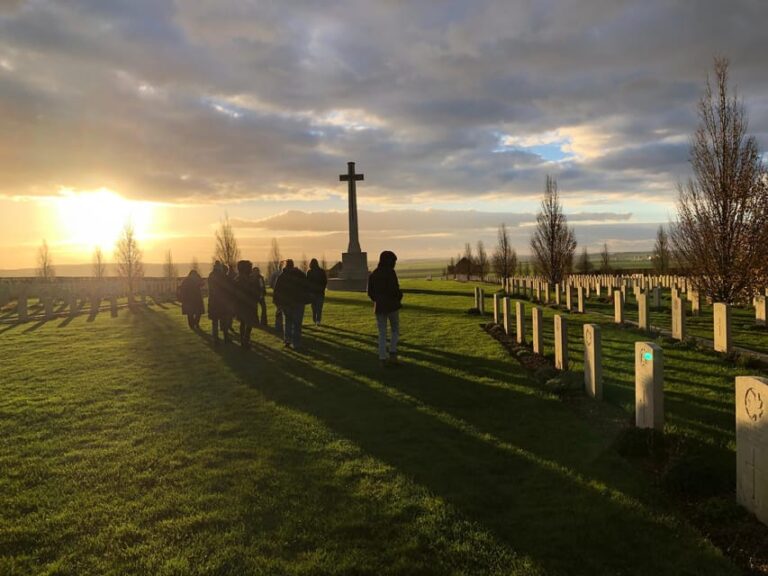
x=96, y=218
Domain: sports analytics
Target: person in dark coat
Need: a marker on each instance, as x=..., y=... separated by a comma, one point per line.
x=246, y=301
x=191, y=297
x=317, y=280
x=218, y=302
x=384, y=290
x=279, y=324
x=259, y=280
x=291, y=295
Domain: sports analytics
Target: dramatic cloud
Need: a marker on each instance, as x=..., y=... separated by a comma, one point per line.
x=233, y=103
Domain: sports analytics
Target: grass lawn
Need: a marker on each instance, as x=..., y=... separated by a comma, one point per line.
x=130, y=445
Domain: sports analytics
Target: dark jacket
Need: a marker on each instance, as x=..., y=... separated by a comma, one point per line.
x=191, y=296
x=247, y=296
x=219, y=295
x=291, y=289
x=317, y=281
x=384, y=290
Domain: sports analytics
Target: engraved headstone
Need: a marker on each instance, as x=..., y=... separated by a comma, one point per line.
x=537, y=318
x=561, y=343
x=678, y=318
x=722, y=319
x=760, y=309
x=643, y=314
x=569, y=298
x=618, y=306
x=520, y=322
x=695, y=303
x=593, y=361
x=752, y=445
x=649, y=386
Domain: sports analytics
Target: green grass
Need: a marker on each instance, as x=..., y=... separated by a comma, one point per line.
x=130, y=445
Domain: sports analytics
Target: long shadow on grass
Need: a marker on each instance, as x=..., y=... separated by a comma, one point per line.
x=504, y=458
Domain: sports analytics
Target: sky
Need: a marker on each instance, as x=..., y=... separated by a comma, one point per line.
x=177, y=114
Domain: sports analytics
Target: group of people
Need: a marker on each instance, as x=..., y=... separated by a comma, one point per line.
x=241, y=294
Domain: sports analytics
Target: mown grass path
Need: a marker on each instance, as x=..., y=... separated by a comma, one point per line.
x=132, y=446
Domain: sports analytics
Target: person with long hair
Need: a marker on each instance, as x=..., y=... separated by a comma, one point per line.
x=384, y=290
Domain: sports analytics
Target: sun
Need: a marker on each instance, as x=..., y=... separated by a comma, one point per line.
x=96, y=218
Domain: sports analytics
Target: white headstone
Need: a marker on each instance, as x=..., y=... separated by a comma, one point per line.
x=593, y=361
x=618, y=306
x=722, y=318
x=496, y=307
x=561, y=343
x=678, y=318
x=537, y=318
x=643, y=314
x=760, y=309
x=752, y=445
x=580, y=299
x=506, y=311
x=481, y=300
x=520, y=322
x=649, y=386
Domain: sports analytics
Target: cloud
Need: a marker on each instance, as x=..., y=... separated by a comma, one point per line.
x=221, y=101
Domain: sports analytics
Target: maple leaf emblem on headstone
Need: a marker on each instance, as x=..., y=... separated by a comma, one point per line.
x=753, y=402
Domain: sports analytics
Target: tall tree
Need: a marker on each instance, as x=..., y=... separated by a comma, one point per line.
x=605, y=260
x=273, y=264
x=45, y=268
x=661, y=252
x=227, y=250
x=482, y=260
x=99, y=267
x=553, y=243
x=170, y=271
x=721, y=232
x=584, y=266
x=129, y=259
x=504, y=256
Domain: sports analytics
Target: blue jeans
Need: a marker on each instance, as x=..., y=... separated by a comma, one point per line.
x=394, y=323
x=294, y=317
x=317, y=307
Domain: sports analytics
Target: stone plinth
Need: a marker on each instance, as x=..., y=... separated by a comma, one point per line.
x=752, y=445
x=537, y=317
x=722, y=319
x=561, y=343
x=593, y=361
x=649, y=386
x=354, y=273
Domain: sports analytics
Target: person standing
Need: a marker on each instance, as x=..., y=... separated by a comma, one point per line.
x=262, y=287
x=291, y=295
x=247, y=298
x=191, y=297
x=217, y=295
x=279, y=327
x=317, y=281
x=384, y=290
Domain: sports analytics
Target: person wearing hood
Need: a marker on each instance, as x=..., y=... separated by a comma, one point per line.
x=291, y=295
x=317, y=280
x=384, y=290
x=218, y=307
x=191, y=297
x=247, y=299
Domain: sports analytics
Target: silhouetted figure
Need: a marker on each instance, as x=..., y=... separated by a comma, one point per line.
x=278, y=311
x=317, y=280
x=229, y=302
x=219, y=309
x=246, y=301
x=259, y=280
x=291, y=295
x=191, y=296
x=384, y=290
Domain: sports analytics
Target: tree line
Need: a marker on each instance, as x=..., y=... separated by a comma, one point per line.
x=719, y=236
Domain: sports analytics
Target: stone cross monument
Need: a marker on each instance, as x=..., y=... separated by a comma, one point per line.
x=354, y=262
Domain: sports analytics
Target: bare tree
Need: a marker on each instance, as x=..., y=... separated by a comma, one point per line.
x=99, y=267
x=504, y=256
x=45, y=268
x=605, y=260
x=722, y=212
x=128, y=257
x=661, y=252
x=170, y=271
x=584, y=266
x=226, y=251
x=553, y=243
x=273, y=265
x=482, y=260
